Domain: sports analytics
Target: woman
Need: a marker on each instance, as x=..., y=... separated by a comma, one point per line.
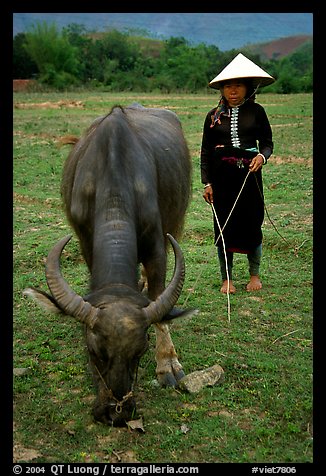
x=237, y=138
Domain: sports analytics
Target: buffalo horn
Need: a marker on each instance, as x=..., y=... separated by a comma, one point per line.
x=71, y=303
x=157, y=309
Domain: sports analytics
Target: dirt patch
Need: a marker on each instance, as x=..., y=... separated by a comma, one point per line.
x=60, y=141
x=291, y=124
x=49, y=105
x=124, y=457
x=21, y=454
x=24, y=199
x=290, y=160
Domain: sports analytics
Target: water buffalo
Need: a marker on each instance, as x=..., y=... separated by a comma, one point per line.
x=126, y=186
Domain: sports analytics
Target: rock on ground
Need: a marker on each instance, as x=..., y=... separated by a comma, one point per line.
x=195, y=381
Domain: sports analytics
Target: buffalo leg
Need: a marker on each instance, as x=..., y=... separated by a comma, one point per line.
x=168, y=369
x=142, y=282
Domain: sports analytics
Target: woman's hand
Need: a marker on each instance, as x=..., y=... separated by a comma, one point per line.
x=256, y=163
x=208, y=194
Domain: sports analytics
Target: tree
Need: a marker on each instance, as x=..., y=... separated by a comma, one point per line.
x=23, y=65
x=54, y=56
x=119, y=61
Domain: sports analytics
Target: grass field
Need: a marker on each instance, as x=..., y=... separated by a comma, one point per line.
x=262, y=412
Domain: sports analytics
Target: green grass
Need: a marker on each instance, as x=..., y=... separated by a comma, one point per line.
x=263, y=410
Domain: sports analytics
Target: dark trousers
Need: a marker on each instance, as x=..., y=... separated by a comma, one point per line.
x=253, y=260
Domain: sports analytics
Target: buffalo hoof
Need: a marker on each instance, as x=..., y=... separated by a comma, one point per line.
x=179, y=375
x=170, y=379
x=167, y=380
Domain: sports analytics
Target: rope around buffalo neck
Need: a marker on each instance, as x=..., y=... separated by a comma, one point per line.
x=119, y=403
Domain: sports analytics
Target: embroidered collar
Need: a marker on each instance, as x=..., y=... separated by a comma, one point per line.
x=224, y=109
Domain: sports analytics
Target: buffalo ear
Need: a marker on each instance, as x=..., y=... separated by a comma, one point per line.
x=43, y=299
x=178, y=312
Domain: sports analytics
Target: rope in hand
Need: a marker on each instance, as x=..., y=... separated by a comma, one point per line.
x=224, y=249
x=223, y=242
x=226, y=263
x=296, y=249
x=273, y=224
x=236, y=200
x=221, y=235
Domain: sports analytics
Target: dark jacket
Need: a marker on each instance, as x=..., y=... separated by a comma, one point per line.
x=253, y=131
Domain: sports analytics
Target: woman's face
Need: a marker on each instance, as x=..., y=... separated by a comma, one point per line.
x=234, y=91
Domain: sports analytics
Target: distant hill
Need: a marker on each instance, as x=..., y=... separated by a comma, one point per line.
x=278, y=48
x=227, y=31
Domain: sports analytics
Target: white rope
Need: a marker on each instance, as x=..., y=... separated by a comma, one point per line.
x=223, y=242
x=226, y=265
x=221, y=230
x=224, y=249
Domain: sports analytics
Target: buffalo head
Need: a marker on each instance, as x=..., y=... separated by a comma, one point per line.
x=116, y=320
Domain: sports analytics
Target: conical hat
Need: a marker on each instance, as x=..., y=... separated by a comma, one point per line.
x=242, y=67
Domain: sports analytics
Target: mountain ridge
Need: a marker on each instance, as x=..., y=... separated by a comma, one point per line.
x=279, y=48
x=227, y=31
